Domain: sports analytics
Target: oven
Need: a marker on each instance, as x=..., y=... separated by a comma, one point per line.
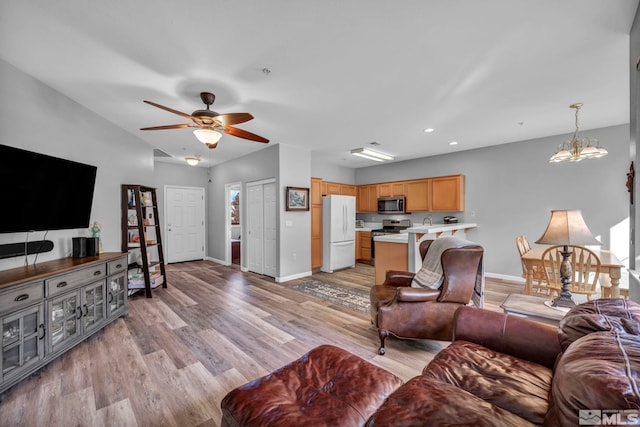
x=389, y=226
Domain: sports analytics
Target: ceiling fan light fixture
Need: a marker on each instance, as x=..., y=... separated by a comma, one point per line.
x=370, y=154
x=207, y=136
x=193, y=161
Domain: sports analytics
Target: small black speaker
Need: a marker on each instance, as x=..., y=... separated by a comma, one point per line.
x=79, y=247
x=93, y=246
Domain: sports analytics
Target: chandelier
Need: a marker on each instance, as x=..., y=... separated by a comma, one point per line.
x=578, y=148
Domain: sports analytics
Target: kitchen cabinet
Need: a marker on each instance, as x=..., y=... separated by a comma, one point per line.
x=391, y=189
x=367, y=198
x=348, y=190
x=417, y=196
x=46, y=309
x=333, y=188
x=316, y=223
x=363, y=246
x=447, y=193
x=390, y=256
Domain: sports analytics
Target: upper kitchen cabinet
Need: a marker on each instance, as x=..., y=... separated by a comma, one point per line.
x=332, y=188
x=348, y=190
x=391, y=189
x=418, y=196
x=447, y=193
x=367, y=198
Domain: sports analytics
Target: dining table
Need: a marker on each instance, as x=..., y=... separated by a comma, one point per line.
x=609, y=264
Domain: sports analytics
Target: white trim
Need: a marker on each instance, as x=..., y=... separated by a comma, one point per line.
x=227, y=220
x=292, y=277
x=261, y=182
x=219, y=261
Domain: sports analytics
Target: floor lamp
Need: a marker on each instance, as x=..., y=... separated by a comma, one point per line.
x=566, y=228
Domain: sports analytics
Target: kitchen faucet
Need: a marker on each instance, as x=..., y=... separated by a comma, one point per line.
x=427, y=218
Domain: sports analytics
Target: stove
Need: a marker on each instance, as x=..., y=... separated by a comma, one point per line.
x=389, y=226
x=392, y=226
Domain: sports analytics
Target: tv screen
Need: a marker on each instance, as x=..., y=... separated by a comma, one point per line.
x=41, y=192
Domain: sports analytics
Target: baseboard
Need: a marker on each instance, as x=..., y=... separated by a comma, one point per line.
x=292, y=277
x=506, y=277
x=219, y=261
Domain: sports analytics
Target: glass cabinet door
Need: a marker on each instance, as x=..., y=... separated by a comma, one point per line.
x=117, y=294
x=22, y=340
x=93, y=306
x=64, y=316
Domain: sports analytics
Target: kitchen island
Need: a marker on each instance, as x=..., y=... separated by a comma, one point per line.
x=391, y=254
x=431, y=232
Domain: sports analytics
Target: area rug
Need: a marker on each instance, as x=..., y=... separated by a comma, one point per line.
x=354, y=299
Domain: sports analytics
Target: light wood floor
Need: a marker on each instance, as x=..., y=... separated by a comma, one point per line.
x=174, y=357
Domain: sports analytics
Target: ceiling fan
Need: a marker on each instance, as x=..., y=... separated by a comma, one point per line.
x=210, y=123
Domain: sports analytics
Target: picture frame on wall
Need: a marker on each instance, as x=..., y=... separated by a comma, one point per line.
x=297, y=199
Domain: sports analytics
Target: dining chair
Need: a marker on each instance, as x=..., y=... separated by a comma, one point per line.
x=539, y=284
x=585, y=266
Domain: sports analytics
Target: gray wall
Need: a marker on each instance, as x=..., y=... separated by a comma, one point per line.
x=512, y=189
x=295, y=227
x=256, y=166
x=35, y=117
x=330, y=172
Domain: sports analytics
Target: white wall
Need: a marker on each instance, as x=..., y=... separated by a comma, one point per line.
x=35, y=117
x=512, y=189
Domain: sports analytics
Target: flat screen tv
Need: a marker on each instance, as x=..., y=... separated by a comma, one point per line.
x=40, y=192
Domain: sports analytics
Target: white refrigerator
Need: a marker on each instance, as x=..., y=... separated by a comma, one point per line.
x=338, y=232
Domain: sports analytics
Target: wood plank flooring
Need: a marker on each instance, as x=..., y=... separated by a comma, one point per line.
x=175, y=356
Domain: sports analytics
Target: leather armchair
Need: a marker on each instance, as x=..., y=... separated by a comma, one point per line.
x=423, y=313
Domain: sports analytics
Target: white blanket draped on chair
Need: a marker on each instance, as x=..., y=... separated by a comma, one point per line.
x=430, y=274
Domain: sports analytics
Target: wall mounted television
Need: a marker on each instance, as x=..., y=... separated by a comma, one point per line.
x=41, y=192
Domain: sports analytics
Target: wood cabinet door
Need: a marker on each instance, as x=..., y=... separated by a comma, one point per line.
x=316, y=191
x=365, y=246
x=384, y=189
x=358, y=245
x=362, y=198
x=347, y=190
x=417, y=196
x=447, y=193
x=316, y=253
x=398, y=189
x=333, y=188
x=372, y=202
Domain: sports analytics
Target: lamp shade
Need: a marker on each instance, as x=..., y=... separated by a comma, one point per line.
x=207, y=136
x=567, y=228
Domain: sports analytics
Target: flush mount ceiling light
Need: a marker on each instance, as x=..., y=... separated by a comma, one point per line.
x=427, y=130
x=453, y=143
x=578, y=148
x=193, y=161
x=207, y=136
x=370, y=154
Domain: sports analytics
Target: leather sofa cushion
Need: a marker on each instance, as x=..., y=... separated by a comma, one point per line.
x=612, y=314
x=326, y=387
x=600, y=371
x=513, y=384
x=425, y=401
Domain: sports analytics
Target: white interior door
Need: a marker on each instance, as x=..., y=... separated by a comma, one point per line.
x=261, y=228
x=255, y=228
x=270, y=229
x=184, y=207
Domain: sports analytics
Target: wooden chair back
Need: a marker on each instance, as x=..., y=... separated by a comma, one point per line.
x=585, y=267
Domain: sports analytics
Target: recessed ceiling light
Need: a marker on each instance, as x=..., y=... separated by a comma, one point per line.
x=453, y=143
x=427, y=130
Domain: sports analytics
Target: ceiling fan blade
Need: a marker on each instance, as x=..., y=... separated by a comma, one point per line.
x=186, y=125
x=171, y=110
x=233, y=118
x=244, y=134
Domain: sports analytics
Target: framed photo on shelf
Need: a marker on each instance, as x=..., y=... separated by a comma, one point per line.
x=297, y=199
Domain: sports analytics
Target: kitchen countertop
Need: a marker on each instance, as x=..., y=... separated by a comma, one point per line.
x=439, y=228
x=363, y=229
x=393, y=238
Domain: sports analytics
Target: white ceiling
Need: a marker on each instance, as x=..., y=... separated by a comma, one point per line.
x=343, y=73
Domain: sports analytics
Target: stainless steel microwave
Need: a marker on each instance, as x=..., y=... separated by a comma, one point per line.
x=391, y=205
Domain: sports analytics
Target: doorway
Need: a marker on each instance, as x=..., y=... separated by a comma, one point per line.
x=184, y=225
x=261, y=228
x=234, y=231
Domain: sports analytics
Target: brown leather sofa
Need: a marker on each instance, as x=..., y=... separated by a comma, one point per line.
x=423, y=313
x=500, y=370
